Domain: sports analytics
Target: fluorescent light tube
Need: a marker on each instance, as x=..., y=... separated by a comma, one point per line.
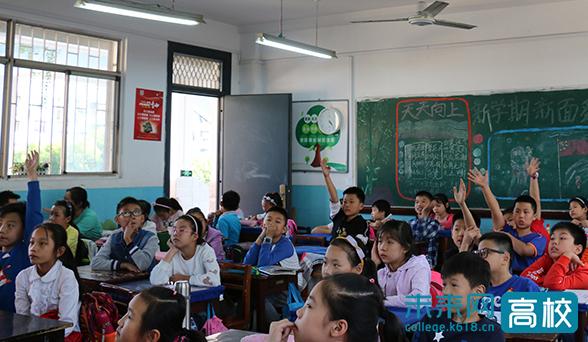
x=137, y=10
x=290, y=45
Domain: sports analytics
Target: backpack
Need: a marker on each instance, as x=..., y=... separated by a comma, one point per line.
x=235, y=253
x=436, y=288
x=98, y=317
x=213, y=324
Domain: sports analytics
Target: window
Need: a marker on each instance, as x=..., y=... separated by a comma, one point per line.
x=197, y=72
x=2, y=38
x=63, y=100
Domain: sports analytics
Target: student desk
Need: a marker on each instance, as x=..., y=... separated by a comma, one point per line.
x=230, y=335
x=15, y=327
x=261, y=287
x=312, y=239
x=90, y=280
x=199, y=296
x=310, y=249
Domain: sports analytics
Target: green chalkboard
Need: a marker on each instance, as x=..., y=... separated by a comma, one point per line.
x=428, y=143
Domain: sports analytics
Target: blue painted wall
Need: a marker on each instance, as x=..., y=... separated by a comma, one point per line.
x=102, y=200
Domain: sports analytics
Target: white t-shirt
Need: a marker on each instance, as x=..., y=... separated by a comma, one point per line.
x=202, y=268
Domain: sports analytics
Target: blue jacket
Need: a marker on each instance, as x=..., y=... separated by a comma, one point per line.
x=17, y=259
x=281, y=253
x=229, y=225
x=140, y=252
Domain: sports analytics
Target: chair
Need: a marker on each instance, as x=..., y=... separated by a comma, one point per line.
x=237, y=278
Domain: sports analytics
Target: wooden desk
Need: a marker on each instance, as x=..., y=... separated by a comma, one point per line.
x=230, y=335
x=312, y=239
x=15, y=327
x=262, y=286
x=90, y=280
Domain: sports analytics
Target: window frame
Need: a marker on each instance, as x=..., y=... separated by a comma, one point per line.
x=9, y=63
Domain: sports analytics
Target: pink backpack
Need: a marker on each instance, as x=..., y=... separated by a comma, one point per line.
x=213, y=324
x=436, y=288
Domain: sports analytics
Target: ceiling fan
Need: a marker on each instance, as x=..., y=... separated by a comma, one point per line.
x=424, y=16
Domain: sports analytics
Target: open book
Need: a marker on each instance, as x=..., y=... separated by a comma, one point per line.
x=276, y=270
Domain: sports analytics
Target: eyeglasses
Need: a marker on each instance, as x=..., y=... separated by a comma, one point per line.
x=133, y=213
x=484, y=252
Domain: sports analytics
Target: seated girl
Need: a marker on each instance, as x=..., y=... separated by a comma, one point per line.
x=212, y=236
x=270, y=200
x=189, y=258
x=49, y=288
x=156, y=314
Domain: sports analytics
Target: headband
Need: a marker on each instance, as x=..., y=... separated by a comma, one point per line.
x=155, y=204
x=193, y=220
x=354, y=244
x=269, y=199
x=579, y=199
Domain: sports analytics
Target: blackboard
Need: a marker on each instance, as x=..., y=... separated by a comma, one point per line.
x=428, y=143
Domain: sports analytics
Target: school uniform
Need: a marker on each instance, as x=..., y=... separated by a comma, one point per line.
x=342, y=227
x=55, y=292
x=229, y=225
x=447, y=223
x=140, y=252
x=425, y=229
x=471, y=332
x=513, y=284
x=202, y=268
x=17, y=259
x=89, y=225
x=536, y=240
x=556, y=275
x=412, y=278
x=280, y=253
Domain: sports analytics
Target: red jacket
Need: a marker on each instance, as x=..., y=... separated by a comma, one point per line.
x=556, y=275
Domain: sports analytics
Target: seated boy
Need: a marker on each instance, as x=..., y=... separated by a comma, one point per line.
x=17, y=223
x=463, y=274
x=272, y=247
x=346, y=218
x=424, y=226
x=229, y=222
x=465, y=232
x=130, y=248
x=380, y=214
x=561, y=268
x=528, y=246
x=496, y=249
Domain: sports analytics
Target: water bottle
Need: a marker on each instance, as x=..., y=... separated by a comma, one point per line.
x=183, y=288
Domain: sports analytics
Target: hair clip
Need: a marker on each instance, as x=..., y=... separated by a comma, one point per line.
x=372, y=280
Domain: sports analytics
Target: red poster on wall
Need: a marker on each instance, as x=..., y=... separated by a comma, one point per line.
x=148, y=114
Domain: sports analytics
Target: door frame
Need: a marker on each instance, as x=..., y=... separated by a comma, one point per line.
x=225, y=58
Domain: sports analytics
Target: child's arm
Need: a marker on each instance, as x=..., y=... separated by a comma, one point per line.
x=533, y=171
x=556, y=278
x=472, y=233
x=161, y=273
x=481, y=180
x=22, y=303
x=528, y=249
x=420, y=284
x=102, y=261
x=143, y=257
x=69, y=296
x=333, y=197
x=269, y=257
x=33, y=216
x=211, y=277
x=326, y=229
x=536, y=269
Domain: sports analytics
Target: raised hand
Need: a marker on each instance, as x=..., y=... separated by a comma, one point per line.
x=325, y=168
x=477, y=177
x=533, y=166
x=31, y=164
x=375, y=256
x=460, y=194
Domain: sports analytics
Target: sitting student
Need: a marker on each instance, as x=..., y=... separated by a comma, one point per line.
x=579, y=212
x=442, y=211
x=17, y=222
x=269, y=200
x=148, y=225
x=343, y=307
x=49, y=288
x=213, y=237
x=229, y=223
x=271, y=246
x=561, y=268
x=465, y=232
x=131, y=248
x=195, y=262
x=404, y=274
x=167, y=211
x=424, y=227
x=346, y=218
x=62, y=214
x=496, y=249
x=156, y=314
x=346, y=255
x=380, y=214
x=528, y=246
x=463, y=274
x=84, y=218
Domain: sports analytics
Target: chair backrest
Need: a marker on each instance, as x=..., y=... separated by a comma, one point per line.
x=238, y=277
